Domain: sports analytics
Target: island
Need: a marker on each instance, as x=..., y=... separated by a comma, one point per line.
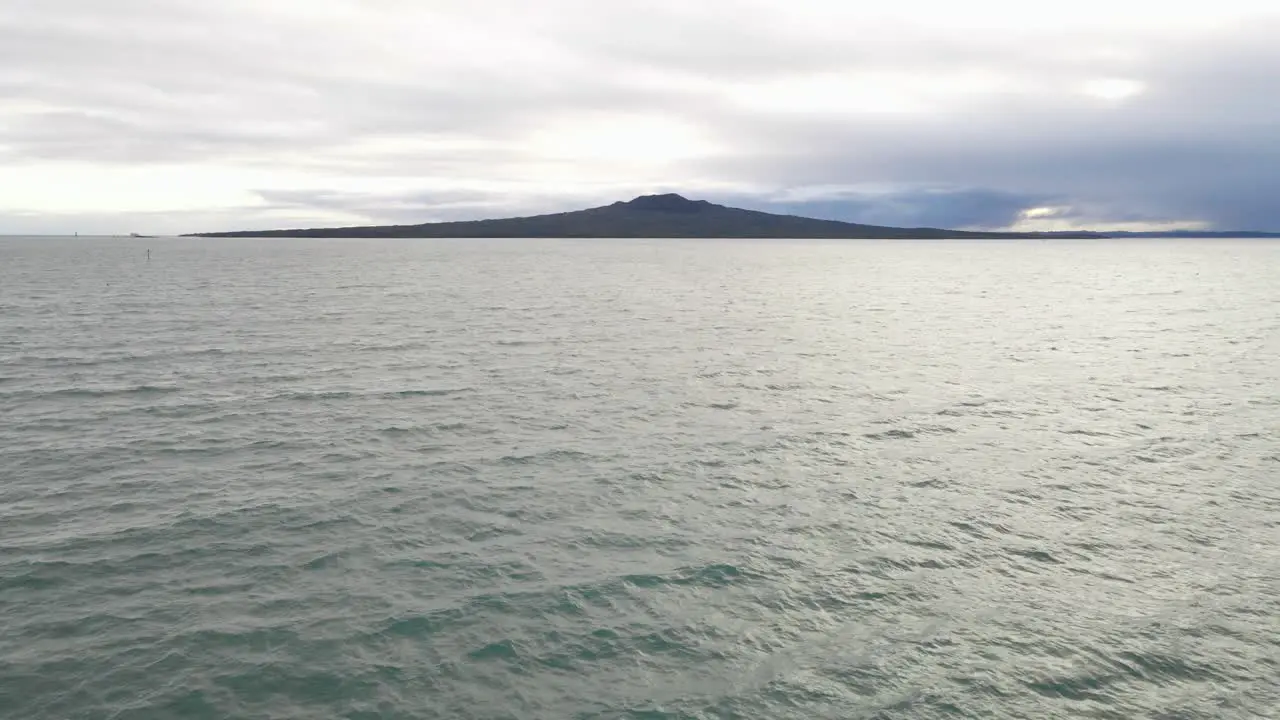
x=648, y=216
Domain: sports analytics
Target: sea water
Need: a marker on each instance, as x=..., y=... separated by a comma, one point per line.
x=639, y=479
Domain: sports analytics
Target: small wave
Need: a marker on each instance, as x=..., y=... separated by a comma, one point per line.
x=929, y=544
x=1103, y=575
x=717, y=575
x=501, y=650
x=421, y=626
x=43, y=576
x=98, y=393
x=327, y=395
x=1079, y=687
x=1124, y=667
x=227, y=588
x=1162, y=452
x=426, y=431
x=1088, y=433
x=434, y=392
x=549, y=456
x=350, y=395
x=981, y=409
x=894, y=434
x=901, y=434
x=1038, y=555
x=968, y=528
x=397, y=347
x=328, y=560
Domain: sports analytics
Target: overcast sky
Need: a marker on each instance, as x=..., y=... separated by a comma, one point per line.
x=163, y=116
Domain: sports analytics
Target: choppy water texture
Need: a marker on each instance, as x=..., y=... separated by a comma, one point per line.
x=668, y=479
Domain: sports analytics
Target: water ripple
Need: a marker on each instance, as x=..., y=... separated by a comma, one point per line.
x=646, y=480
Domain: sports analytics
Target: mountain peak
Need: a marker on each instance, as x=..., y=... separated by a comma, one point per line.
x=648, y=216
x=667, y=202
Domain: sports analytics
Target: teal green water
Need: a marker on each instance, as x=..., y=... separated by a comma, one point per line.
x=667, y=479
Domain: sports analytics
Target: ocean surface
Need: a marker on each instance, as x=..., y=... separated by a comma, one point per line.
x=639, y=479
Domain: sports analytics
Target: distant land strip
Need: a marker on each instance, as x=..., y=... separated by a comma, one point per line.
x=648, y=216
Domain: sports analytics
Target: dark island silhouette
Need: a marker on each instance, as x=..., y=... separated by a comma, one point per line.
x=648, y=216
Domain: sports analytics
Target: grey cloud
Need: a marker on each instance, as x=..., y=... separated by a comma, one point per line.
x=908, y=207
x=146, y=81
x=389, y=208
x=1203, y=144
x=159, y=93
x=154, y=223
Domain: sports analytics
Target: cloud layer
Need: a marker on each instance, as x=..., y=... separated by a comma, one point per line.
x=176, y=115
